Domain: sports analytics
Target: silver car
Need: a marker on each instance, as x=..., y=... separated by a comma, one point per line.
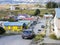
x=28, y=34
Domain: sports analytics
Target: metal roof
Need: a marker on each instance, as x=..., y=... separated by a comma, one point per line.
x=20, y=23
x=24, y=21
x=12, y=24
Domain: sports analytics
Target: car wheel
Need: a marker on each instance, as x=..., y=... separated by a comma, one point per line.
x=23, y=37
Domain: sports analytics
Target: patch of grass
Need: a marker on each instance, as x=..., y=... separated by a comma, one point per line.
x=29, y=12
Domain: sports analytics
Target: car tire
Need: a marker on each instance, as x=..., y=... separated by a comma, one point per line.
x=23, y=37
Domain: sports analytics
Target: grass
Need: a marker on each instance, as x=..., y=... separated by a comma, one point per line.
x=30, y=12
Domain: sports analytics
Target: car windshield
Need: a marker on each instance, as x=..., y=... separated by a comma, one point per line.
x=27, y=31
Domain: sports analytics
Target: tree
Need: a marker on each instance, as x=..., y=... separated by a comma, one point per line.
x=37, y=12
x=51, y=5
x=24, y=26
x=17, y=8
x=58, y=5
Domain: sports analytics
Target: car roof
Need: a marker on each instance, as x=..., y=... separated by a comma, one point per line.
x=28, y=30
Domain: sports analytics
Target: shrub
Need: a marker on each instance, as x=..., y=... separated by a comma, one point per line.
x=43, y=33
x=52, y=36
x=37, y=12
x=39, y=37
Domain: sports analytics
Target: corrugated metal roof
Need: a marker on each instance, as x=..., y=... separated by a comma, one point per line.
x=13, y=24
x=20, y=23
x=23, y=15
x=24, y=21
x=57, y=12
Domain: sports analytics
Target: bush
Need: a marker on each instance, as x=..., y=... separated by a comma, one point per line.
x=53, y=36
x=39, y=36
x=37, y=12
x=43, y=33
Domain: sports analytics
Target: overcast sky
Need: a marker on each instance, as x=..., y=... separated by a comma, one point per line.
x=32, y=0
x=39, y=0
x=18, y=1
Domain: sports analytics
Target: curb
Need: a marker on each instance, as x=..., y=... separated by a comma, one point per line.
x=10, y=34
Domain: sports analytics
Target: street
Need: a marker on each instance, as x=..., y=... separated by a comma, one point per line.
x=38, y=26
x=17, y=39
x=14, y=40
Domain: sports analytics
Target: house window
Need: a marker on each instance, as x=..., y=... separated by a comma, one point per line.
x=53, y=29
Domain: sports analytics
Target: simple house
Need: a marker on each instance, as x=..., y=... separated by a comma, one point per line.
x=15, y=26
x=22, y=16
x=48, y=16
x=57, y=22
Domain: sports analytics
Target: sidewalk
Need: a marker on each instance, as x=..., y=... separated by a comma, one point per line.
x=49, y=40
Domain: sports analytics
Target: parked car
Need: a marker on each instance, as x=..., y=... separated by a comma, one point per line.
x=28, y=34
x=2, y=31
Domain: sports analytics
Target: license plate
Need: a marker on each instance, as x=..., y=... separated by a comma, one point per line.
x=25, y=37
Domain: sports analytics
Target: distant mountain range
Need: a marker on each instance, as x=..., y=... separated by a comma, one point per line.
x=25, y=1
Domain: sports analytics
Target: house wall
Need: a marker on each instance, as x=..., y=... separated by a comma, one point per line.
x=57, y=32
x=13, y=28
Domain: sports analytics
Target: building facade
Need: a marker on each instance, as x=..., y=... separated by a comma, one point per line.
x=57, y=22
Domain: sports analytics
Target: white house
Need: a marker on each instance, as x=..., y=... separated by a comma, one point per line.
x=12, y=7
x=57, y=22
x=48, y=15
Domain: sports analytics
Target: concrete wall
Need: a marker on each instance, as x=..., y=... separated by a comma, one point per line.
x=57, y=32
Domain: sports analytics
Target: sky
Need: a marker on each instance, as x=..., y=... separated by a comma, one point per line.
x=24, y=1
x=32, y=0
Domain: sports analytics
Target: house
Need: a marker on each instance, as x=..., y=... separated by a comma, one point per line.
x=15, y=26
x=12, y=7
x=48, y=16
x=22, y=16
x=57, y=22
